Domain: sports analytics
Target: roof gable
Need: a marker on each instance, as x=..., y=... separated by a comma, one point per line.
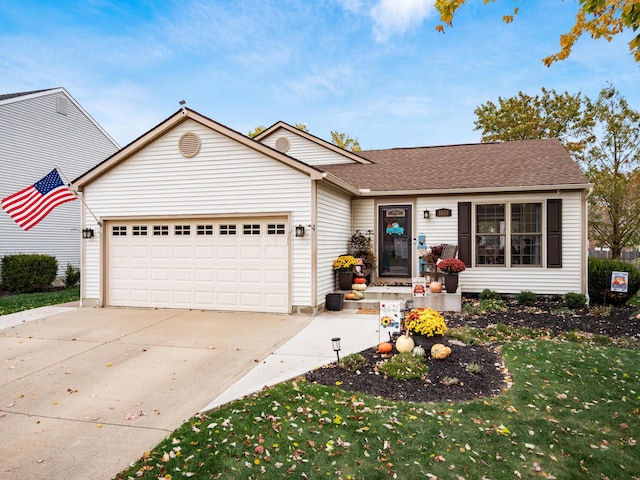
x=172, y=122
x=9, y=98
x=345, y=156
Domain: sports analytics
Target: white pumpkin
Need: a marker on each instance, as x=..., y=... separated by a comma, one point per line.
x=404, y=343
x=418, y=351
x=359, y=287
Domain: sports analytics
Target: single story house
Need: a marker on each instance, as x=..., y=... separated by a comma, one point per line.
x=193, y=214
x=39, y=131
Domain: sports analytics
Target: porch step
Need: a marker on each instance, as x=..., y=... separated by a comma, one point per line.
x=442, y=302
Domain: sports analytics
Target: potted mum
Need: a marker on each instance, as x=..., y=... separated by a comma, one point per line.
x=451, y=267
x=344, y=266
x=425, y=325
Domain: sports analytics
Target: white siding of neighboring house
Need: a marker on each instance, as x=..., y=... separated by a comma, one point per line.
x=334, y=232
x=541, y=280
x=34, y=138
x=225, y=177
x=305, y=150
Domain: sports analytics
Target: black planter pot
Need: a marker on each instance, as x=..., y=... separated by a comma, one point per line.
x=334, y=301
x=426, y=342
x=451, y=282
x=345, y=280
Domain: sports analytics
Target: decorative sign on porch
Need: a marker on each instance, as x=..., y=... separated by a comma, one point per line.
x=619, y=281
x=390, y=319
x=419, y=286
x=443, y=212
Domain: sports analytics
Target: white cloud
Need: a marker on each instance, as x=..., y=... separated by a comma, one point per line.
x=397, y=16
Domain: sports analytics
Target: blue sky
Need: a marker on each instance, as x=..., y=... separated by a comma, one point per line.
x=375, y=69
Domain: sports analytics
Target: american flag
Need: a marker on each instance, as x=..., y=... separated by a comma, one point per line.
x=29, y=206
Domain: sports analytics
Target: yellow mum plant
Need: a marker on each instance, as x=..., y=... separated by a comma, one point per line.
x=345, y=263
x=425, y=321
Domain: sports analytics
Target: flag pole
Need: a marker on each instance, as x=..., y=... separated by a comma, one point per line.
x=66, y=179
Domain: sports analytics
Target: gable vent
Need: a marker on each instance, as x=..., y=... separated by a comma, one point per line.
x=189, y=144
x=282, y=144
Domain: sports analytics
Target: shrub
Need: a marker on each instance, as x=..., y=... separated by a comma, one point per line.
x=600, y=280
x=575, y=301
x=28, y=273
x=492, y=305
x=488, y=294
x=527, y=298
x=353, y=362
x=72, y=276
x=405, y=366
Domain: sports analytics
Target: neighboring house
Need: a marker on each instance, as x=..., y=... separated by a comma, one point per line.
x=196, y=215
x=40, y=130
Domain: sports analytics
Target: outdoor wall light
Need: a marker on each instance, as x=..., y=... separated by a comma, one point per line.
x=300, y=231
x=87, y=233
x=426, y=214
x=335, y=343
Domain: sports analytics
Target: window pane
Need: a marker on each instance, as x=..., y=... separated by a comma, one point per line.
x=526, y=234
x=490, y=234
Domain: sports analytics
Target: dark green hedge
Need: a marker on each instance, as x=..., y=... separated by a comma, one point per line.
x=28, y=273
x=600, y=270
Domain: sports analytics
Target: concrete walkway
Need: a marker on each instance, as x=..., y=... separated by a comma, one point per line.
x=84, y=392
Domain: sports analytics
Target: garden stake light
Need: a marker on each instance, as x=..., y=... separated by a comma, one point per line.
x=335, y=342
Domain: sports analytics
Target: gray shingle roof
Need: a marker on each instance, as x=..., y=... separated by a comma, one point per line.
x=6, y=96
x=525, y=163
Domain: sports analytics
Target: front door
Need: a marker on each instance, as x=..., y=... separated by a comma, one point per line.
x=394, y=251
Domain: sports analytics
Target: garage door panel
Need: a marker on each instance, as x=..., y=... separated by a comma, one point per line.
x=243, y=272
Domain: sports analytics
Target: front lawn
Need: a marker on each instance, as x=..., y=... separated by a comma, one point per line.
x=27, y=301
x=572, y=412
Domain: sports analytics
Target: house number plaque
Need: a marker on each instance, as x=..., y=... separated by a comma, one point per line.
x=443, y=212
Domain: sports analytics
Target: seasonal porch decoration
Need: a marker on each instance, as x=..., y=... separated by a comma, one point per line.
x=344, y=266
x=425, y=325
x=451, y=267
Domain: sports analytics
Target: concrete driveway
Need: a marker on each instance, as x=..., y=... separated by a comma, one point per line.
x=85, y=392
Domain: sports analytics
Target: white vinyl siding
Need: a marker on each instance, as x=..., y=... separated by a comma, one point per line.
x=36, y=138
x=305, y=150
x=514, y=279
x=224, y=178
x=334, y=232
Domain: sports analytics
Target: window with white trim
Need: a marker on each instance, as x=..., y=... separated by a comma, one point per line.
x=139, y=231
x=228, y=229
x=160, y=230
x=204, y=229
x=508, y=234
x=251, y=229
x=276, y=229
x=119, y=230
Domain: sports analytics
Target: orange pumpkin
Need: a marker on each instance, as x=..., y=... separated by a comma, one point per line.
x=385, y=347
x=359, y=280
x=350, y=296
x=435, y=287
x=440, y=351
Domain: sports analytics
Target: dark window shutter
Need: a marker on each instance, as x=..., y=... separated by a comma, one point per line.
x=554, y=233
x=464, y=232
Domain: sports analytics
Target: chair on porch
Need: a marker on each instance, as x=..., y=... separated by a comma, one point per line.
x=449, y=251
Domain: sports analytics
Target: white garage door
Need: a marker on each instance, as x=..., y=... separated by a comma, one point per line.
x=237, y=265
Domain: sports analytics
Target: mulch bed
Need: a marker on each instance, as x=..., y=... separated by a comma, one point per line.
x=492, y=379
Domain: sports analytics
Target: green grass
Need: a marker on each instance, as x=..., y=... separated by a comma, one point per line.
x=572, y=412
x=27, y=301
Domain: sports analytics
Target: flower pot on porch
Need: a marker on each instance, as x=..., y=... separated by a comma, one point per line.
x=334, y=301
x=345, y=280
x=451, y=282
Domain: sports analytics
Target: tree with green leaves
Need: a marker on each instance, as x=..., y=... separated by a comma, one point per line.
x=549, y=115
x=343, y=140
x=602, y=135
x=598, y=18
x=612, y=164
